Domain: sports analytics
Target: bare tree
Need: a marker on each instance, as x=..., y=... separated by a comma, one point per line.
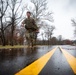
x=15, y=15
x=3, y=9
x=74, y=24
x=40, y=13
x=48, y=32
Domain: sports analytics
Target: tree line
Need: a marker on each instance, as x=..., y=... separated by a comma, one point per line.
x=12, y=12
x=11, y=15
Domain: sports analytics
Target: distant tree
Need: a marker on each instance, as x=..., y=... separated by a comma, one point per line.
x=60, y=39
x=67, y=42
x=74, y=25
x=48, y=32
x=54, y=41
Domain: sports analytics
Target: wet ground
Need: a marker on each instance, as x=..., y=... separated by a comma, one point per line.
x=57, y=65
x=14, y=60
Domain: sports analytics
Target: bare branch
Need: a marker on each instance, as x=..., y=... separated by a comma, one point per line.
x=74, y=24
x=18, y=6
x=7, y=26
x=6, y=6
x=2, y=9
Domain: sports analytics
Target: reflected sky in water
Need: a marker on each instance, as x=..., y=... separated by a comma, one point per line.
x=13, y=60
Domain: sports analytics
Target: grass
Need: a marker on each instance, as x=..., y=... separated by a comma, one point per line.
x=15, y=46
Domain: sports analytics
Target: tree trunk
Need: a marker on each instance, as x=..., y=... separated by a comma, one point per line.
x=2, y=34
x=3, y=40
x=12, y=32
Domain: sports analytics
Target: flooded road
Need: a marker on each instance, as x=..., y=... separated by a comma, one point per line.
x=14, y=60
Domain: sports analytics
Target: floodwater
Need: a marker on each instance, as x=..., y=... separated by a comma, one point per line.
x=13, y=60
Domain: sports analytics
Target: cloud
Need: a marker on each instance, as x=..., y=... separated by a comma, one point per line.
x=64, y=11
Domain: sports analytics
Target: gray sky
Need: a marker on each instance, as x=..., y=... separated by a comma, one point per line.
x=64, y=11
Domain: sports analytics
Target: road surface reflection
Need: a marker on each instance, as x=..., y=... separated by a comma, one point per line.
x=13, y=60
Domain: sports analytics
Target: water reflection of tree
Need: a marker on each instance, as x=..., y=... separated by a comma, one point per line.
x=10, y=54
x=30, y=51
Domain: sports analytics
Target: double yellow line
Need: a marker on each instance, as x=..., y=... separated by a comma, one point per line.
x=37, y=66
x=71, y=59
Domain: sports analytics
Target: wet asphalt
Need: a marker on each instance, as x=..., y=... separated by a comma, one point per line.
x=57, y=65
x=14, y=60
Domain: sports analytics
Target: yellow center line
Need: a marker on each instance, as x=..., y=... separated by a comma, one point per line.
x=37, y=66
x=71, y=60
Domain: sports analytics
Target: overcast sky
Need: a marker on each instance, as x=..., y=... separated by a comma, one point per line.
x=64, y=11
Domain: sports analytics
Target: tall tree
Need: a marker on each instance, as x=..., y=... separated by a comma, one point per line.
x=15, y=15
x=3, y=9
x=40, y=13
